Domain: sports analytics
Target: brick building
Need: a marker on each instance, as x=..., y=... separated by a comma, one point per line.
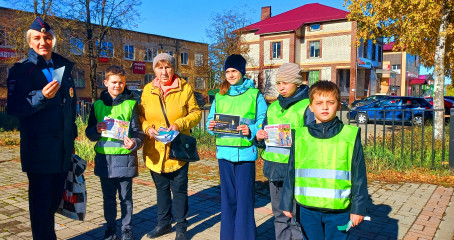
x=318, y=38
x=131, y=49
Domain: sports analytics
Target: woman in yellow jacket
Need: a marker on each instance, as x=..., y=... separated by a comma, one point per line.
x=183, y=114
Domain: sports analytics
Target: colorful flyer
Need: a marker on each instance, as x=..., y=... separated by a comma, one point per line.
x=116, y=128
x=226, y=124
x=279, y=135
x=165, y=136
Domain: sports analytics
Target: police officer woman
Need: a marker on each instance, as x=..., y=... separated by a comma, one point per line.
x=46, y=109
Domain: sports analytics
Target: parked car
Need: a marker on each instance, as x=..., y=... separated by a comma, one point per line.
x=393, y=108
x=368, y=100
x=137, y=94
x=449, y=103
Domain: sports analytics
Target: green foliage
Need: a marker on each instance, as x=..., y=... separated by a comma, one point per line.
x=8, y=123
x=205, y=141
x=84, y=147
x=415, y=152
x=450, y=90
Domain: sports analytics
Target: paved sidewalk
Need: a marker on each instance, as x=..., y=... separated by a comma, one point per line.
x=398, y=211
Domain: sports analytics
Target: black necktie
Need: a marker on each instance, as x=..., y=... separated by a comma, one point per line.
x=50, y=65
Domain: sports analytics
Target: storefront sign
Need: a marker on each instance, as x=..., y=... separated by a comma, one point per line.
x=103, y=60
x=6, y=53
x=412, y=75
x=138, y=67
x=364, y=62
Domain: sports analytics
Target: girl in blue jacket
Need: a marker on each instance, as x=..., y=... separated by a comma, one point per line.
x=235, y=152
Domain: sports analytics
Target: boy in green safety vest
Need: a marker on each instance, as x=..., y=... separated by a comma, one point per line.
x=326, y=170
x=290, y=108
x=116, y=160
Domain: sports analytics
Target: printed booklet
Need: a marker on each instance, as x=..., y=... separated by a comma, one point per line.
x=279, y=135
x=117, y=129
x=226, y=124
x=165, y=136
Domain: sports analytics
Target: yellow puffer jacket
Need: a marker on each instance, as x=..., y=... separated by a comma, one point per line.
x=181, y=109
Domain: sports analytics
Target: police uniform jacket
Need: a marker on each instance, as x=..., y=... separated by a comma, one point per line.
x=47, y=126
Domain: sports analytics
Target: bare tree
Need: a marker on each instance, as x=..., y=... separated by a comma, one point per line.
x=224, y=34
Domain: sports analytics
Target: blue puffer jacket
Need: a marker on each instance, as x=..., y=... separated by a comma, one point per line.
x=237, y=154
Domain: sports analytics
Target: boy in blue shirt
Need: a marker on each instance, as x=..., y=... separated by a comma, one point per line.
x=116, y=160
x=326, y=171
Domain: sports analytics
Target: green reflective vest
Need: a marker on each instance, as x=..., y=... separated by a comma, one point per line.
x=277, y=115
x=123, y=112
x=243, y=105
x=323, y=168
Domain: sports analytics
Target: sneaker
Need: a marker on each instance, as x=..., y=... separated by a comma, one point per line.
x=159, y=231
x=110, y=234
x=127, y=235
x=181, y=236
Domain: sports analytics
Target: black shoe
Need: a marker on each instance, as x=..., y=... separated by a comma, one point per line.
x=159, y=231
x=110, y=234
x=181, y=236
x=127, y=235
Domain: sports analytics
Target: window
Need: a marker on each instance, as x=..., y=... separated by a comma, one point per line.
x=129, y=52
x=374, y=56
x=380, y=53
x=184, y=58
x=313, y=77
x=3, y=75
x=198, y=60
x=149, y=54
x=365, y=49
x=3, y=38
x=199, y=83
x=77, y=46
x=276, y=48
x=170, y=53
x=79, y=78
x=314, y=27
x=185, y=78
x=106, y=49
x=147, y=78
x=100, y=79
x=396, y=67
x=314, y=49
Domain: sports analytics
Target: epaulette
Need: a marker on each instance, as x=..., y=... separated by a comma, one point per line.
x=22, y=60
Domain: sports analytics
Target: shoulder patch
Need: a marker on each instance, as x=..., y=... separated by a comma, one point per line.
x=22, y=60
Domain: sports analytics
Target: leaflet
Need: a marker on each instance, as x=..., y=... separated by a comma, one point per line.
x=279, y=135
x=116, y=128
x=57, y=74
x=165, y=136
x=226, y=124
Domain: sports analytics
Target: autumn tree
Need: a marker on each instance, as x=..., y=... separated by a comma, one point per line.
x=423, y=28
x=224, y=34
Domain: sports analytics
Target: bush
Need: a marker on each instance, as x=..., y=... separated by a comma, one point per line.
x=205, y=141
x=8, y=123
x=84, y=147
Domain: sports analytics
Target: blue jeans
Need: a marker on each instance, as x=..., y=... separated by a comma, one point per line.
x=237, y=200
x=177, y=182
x=320, y=226
x=109, y=188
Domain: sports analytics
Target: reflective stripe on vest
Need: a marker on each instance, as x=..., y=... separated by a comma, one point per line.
x=277, y=115
x=123, y=112
x=243, y=105
x=323, y=178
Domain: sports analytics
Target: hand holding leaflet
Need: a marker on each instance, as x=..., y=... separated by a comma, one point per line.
x=165, y=136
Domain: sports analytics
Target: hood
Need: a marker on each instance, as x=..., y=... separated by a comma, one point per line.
x=239, y=89
x=108, y=101
x=301, y=93
x=326, y=129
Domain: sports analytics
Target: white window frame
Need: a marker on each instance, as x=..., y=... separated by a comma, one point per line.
x=107, y=49
x=76, y=49
x=100, y=76
x=149, y=54
x=197, y=82
x=129, y=52
x=77, y=78
x=4, y=38
x=276, y=50
x=312, y=49
x=184, y=56
x=147, y=78
x=198, y=59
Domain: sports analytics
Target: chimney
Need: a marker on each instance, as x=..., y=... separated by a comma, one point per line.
x=266, y=13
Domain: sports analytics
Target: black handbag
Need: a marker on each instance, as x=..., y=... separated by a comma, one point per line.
x=183, y=147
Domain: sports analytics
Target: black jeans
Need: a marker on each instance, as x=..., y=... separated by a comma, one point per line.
x=110, y=187
x=45, y=192
x=177, y=182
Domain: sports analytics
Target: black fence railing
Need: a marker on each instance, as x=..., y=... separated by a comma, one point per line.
x=402, y=135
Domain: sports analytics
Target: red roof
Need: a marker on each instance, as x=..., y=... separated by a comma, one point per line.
x=295, y=18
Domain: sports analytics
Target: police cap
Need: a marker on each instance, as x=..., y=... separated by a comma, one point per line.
x=39, y=25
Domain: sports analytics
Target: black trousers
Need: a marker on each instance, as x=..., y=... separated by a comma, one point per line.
x=177, y=183
x=45, y=191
